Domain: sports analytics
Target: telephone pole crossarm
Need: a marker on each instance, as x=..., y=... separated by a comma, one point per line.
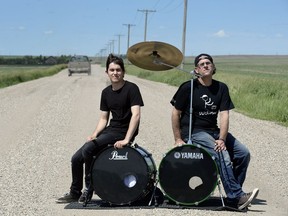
x=146, y=15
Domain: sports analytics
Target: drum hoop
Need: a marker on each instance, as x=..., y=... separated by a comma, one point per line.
x=215, y=165
x=148, y=154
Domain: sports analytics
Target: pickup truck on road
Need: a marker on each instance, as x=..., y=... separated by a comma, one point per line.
x=79, y=64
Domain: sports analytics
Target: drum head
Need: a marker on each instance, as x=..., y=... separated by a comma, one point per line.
x=120, y=176
x=188, y=175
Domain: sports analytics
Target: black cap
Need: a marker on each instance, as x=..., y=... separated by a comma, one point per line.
x=202, y=56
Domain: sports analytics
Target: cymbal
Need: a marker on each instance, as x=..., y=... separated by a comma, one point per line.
x=154, y=55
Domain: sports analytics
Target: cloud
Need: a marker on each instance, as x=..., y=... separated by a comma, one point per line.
x=220, y=34
x=48, y=32
x=279, y=35
x=21, y=28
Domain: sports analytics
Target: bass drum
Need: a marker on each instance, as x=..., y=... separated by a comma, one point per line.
x=122, y=176
x=188, y=175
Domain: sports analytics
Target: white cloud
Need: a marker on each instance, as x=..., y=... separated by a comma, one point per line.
x=220, y=34
x=279, y=35
x=21, y=28
x=48, y=32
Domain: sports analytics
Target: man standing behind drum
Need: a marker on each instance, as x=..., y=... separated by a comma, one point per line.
x=122, y=99
x=211, y=97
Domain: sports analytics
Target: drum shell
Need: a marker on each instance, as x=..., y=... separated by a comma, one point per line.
x=185, y=166
x=123, y=176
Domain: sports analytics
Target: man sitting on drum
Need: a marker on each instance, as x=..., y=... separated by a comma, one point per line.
x=211, y=97
x=122, y=99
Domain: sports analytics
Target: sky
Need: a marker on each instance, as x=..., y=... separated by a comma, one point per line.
x=94, y=27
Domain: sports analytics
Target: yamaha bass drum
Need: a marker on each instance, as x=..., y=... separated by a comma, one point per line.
x=188, y=174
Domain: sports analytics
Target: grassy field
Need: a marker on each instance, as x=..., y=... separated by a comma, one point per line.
x=258, y=84
x=11, y=75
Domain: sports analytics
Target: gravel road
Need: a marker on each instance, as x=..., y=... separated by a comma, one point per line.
x=43, y=122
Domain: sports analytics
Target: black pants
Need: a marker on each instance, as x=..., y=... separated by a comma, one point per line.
x=85, y=156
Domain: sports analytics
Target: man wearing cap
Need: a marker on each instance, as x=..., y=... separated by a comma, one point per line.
x=210, y=98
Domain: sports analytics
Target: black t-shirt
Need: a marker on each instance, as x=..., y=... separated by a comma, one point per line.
x=119, y=104
x=206, y=103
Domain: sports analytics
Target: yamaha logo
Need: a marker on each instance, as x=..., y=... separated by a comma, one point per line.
x=188, y=155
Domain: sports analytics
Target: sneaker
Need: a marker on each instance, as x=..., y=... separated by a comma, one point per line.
x=86, y=196
x=247, y=198
x=67, y=198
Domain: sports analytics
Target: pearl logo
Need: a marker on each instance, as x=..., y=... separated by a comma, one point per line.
x=116, y=156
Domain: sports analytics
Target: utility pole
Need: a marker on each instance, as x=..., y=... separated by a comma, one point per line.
x=184, y=32
x=146, y=15
x=119, y=35
x=102, y=54
x=128, y=40
x=112, y=43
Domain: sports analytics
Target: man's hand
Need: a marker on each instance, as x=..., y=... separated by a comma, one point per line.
x=179, y=142
x=89, y=138
x=121, y=143
x=220, y=145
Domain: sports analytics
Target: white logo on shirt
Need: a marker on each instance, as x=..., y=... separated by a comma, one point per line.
x=207, y=100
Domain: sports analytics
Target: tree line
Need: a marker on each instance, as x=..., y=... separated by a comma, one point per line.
x=34, y=60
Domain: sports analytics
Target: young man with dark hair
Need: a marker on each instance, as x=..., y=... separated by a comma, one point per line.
x=122, y=99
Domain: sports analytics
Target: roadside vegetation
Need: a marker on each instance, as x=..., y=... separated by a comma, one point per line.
x=17, y=69
x=258, y=84
x=12, y=75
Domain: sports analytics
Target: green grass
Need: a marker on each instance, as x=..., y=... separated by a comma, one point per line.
x=11, y=75
x=258, y=84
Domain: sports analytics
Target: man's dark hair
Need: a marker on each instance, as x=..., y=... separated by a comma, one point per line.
x=116, y=60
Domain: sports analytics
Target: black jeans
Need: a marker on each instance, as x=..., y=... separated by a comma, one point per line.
x=85, y=156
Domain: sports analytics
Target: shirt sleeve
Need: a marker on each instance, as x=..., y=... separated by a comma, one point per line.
x=226, y=102
x=136, y=97
x=179, y=100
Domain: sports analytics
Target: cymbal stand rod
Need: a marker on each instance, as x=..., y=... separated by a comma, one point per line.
x=191, y=96
x=190, y=114
x=162, y=63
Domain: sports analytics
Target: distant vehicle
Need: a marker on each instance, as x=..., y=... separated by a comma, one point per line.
x=79, y=64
